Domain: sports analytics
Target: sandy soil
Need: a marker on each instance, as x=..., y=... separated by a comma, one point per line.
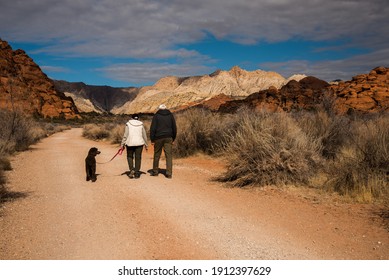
x=61, y=216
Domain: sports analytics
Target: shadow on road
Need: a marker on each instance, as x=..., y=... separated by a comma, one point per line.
x=9, y=196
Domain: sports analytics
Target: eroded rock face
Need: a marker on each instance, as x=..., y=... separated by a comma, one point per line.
x=295, y=95
x=23, y=86
x=179, y=93
x=366, y=93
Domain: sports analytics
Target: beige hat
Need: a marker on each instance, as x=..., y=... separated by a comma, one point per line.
x=162, y=107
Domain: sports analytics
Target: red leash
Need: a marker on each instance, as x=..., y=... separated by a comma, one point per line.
x=119, y=152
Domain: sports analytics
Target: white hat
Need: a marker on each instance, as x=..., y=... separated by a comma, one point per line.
x=162, y=107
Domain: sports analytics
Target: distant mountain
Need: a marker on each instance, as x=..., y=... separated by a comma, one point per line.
x=101, y=99
x=178, y=93
x=23, y=86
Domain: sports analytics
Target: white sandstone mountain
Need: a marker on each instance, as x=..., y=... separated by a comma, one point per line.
x=178, y=92
x=175, y=92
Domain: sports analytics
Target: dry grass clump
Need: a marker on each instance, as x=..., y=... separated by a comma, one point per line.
x=331, y=130
x=362, y=167
x=199, y=130
x=96, y=132
x=268, y=149
x=18, y=132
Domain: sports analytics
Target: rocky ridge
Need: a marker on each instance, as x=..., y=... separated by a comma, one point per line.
x=23, y=86
x=364, y=93
x=367, y=93
x=178, y=93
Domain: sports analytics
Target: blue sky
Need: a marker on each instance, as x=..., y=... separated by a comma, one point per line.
x=136, y=42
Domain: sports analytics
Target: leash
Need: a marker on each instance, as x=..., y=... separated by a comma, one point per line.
x=119, y=152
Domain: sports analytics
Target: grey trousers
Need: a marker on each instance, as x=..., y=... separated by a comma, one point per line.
x=165, y=144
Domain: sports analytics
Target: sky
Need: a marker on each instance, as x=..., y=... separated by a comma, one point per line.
x=123, y=43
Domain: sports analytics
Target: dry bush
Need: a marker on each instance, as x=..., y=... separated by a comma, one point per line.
x=111, y=131
x=330, y=130
x=199, y=130
x=268, y=149
x=362, y=169
x=18, y=132
x=95, y=132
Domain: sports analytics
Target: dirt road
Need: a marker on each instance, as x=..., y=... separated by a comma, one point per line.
x=188, y=217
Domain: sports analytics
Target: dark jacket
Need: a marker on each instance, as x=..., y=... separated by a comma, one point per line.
x=163, y=125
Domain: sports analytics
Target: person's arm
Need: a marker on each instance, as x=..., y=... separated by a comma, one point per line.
x=144, y=135
x=174, y=128
x=153, y=129
x=125, y=136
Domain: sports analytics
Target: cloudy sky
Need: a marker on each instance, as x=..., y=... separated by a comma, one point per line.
x=136, y=42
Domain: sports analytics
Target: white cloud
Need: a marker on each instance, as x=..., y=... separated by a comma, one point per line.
x=55, y=69
x=147, y=73
x=160, y=30
x=332, y=69
x=142, y=28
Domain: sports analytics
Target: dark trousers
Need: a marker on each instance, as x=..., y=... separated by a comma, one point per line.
x=165, y=144
x=134, y=152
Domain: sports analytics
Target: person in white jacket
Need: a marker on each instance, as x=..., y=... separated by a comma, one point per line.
x=134, y=139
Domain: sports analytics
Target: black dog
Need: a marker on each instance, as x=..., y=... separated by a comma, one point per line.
x=90, y=164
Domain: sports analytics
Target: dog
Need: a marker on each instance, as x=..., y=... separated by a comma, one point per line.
x=90, y=164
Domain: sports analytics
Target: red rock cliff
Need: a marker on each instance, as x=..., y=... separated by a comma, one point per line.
x=23, y=86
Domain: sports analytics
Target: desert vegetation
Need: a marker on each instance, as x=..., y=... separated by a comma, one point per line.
x=110, y=129
x=320, y=149
x=346, y=154
x=18, y=132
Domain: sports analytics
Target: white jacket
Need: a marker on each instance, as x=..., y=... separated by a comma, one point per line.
x=134, y=134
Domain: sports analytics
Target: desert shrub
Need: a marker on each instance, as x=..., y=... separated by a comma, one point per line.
x=95, y=132
x=362, y=169
x=18, y=131
x=330, y=130
x=199, y=130
x=267, y=149
x=4, y=165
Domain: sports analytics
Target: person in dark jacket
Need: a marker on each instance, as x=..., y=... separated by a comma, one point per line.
x=163, y=131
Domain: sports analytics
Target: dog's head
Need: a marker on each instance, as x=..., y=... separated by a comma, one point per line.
x=93, y=152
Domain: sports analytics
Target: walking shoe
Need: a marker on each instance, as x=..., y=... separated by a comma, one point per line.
x=168, y=176
x=153, y=173
x=137, y=175
x=131, y=175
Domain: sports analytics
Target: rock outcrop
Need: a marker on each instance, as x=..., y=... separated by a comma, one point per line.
x=23, y=86
x=178, y=93
x=295, y=95
x=366, y=93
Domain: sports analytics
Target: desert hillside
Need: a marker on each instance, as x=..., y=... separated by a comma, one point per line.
x=178, y=93
x=100, y=99
x=25, y=87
